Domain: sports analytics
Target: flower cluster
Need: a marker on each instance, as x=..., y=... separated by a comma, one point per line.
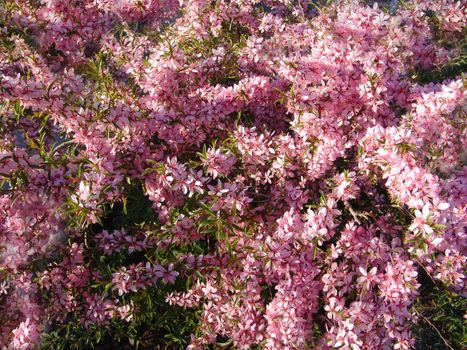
x=281, y=167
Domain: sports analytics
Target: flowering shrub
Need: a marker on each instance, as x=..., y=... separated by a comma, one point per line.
x=252, y=174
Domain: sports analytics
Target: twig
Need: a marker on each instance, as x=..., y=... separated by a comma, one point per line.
x=63, y=144
x=354, y=214
x=424, y=269
x=435, y=328
x=301, y=9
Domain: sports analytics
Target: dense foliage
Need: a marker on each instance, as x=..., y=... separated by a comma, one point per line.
x=242, y=174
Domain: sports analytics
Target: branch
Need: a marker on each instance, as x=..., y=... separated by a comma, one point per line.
x=63, y=144
x=435, y=328
x=354, y=214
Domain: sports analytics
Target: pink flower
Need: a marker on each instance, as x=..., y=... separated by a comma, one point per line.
x=422, y=220
x=25, y=336
x=333, y=308
x=169, y=275
x=367, y=278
